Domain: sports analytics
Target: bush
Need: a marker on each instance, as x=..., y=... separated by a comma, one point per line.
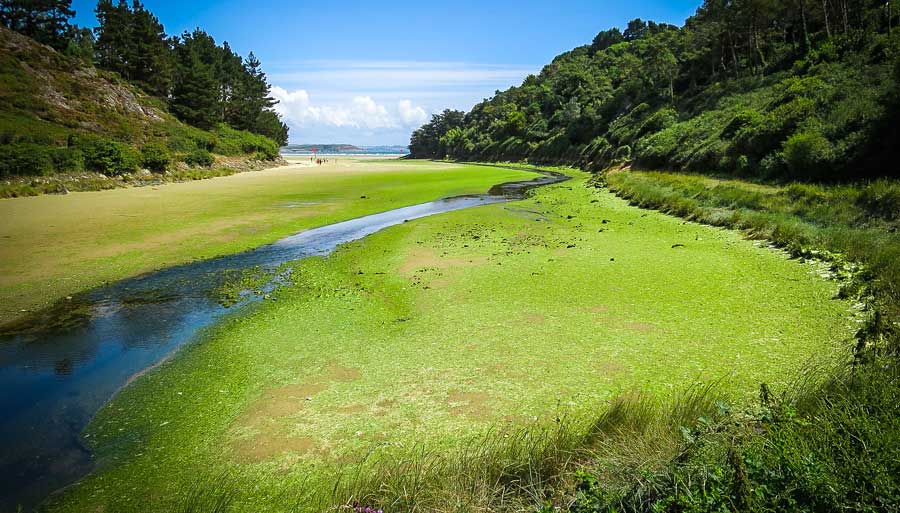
x=237, y=142
x=881, y=199
x=67, y=160
x=155, y=157
x=807, y=154
x=199, y=158
x=110, y=157
x=25, y=159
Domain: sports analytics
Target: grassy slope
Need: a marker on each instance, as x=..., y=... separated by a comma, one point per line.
x=55, y=109
x=54, y=246
x=433, y=331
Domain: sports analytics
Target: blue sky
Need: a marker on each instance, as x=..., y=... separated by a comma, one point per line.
x=369, y=73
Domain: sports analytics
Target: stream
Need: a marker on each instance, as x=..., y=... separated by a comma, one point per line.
x=60, y=366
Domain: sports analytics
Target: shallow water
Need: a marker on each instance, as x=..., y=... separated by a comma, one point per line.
x=60, y=366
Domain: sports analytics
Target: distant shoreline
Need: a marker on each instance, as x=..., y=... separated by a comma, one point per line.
x=355, y=154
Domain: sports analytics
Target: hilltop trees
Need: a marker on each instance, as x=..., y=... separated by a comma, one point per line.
x=132, y=42
x=205, y=83
x=253, y=105
x=195, y=98
x=46, y=21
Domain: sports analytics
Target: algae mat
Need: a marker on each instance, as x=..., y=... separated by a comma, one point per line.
x=54, y=246
x=437, y=330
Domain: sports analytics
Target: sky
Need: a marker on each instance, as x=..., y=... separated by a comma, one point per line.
x=369, y=73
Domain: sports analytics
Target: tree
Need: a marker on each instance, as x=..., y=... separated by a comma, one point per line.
x=253, y=104
x=269, y=124
x=230, y=74
x=605, y=39
x=113, y=33
x=150, y=63
x=637, y=29
x=133, y=43
x=195, y=97
x=45, y=21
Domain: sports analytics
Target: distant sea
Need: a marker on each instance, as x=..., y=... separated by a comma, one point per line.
x=343, y=150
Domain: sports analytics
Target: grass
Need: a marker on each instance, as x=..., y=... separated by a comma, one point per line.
x=828, y=441
x=461, y=362
x=54, y=246
x=851, y=224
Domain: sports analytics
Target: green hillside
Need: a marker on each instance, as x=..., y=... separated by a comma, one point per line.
x=68, y=123
x=757, y=88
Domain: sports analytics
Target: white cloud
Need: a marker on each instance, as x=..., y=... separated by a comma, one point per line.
x=358, y=112
x=378, y=102
x=410, y=114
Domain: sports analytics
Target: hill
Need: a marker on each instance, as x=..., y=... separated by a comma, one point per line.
x=67, y=125
x=758, y=89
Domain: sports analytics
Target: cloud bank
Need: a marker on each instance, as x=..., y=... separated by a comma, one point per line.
x=358, y=112
x=377, y=102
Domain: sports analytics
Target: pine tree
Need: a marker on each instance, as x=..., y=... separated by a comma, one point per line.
x=150, y=62
x=113, y=46
x=230, y=75
x=46, y=21
x=254, y=95
x=195, y=98
x=269, y=124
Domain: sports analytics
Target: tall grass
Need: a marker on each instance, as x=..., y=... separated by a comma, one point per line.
x=526, y=468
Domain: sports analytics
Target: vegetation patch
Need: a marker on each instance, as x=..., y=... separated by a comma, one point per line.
x=468, y=398
x=78, y=241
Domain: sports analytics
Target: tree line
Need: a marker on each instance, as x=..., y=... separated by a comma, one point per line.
x=772, y=88
x=204, y=83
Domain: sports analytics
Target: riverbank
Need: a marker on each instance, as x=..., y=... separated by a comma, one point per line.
x=55, y=246
x=428, y=334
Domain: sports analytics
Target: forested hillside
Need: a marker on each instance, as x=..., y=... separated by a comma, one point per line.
x=124, y=96
x=801, y=89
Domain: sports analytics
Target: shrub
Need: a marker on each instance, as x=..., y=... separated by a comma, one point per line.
x=623, y=153
x=660, y=120
x=110, y=157
x=67, y=160
x=881, y=199
x=807, y=154
x=199, y=158
x=237, y=142
x=744, y=118
x=155, y=157
x=204, y=140
x=25, y=159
